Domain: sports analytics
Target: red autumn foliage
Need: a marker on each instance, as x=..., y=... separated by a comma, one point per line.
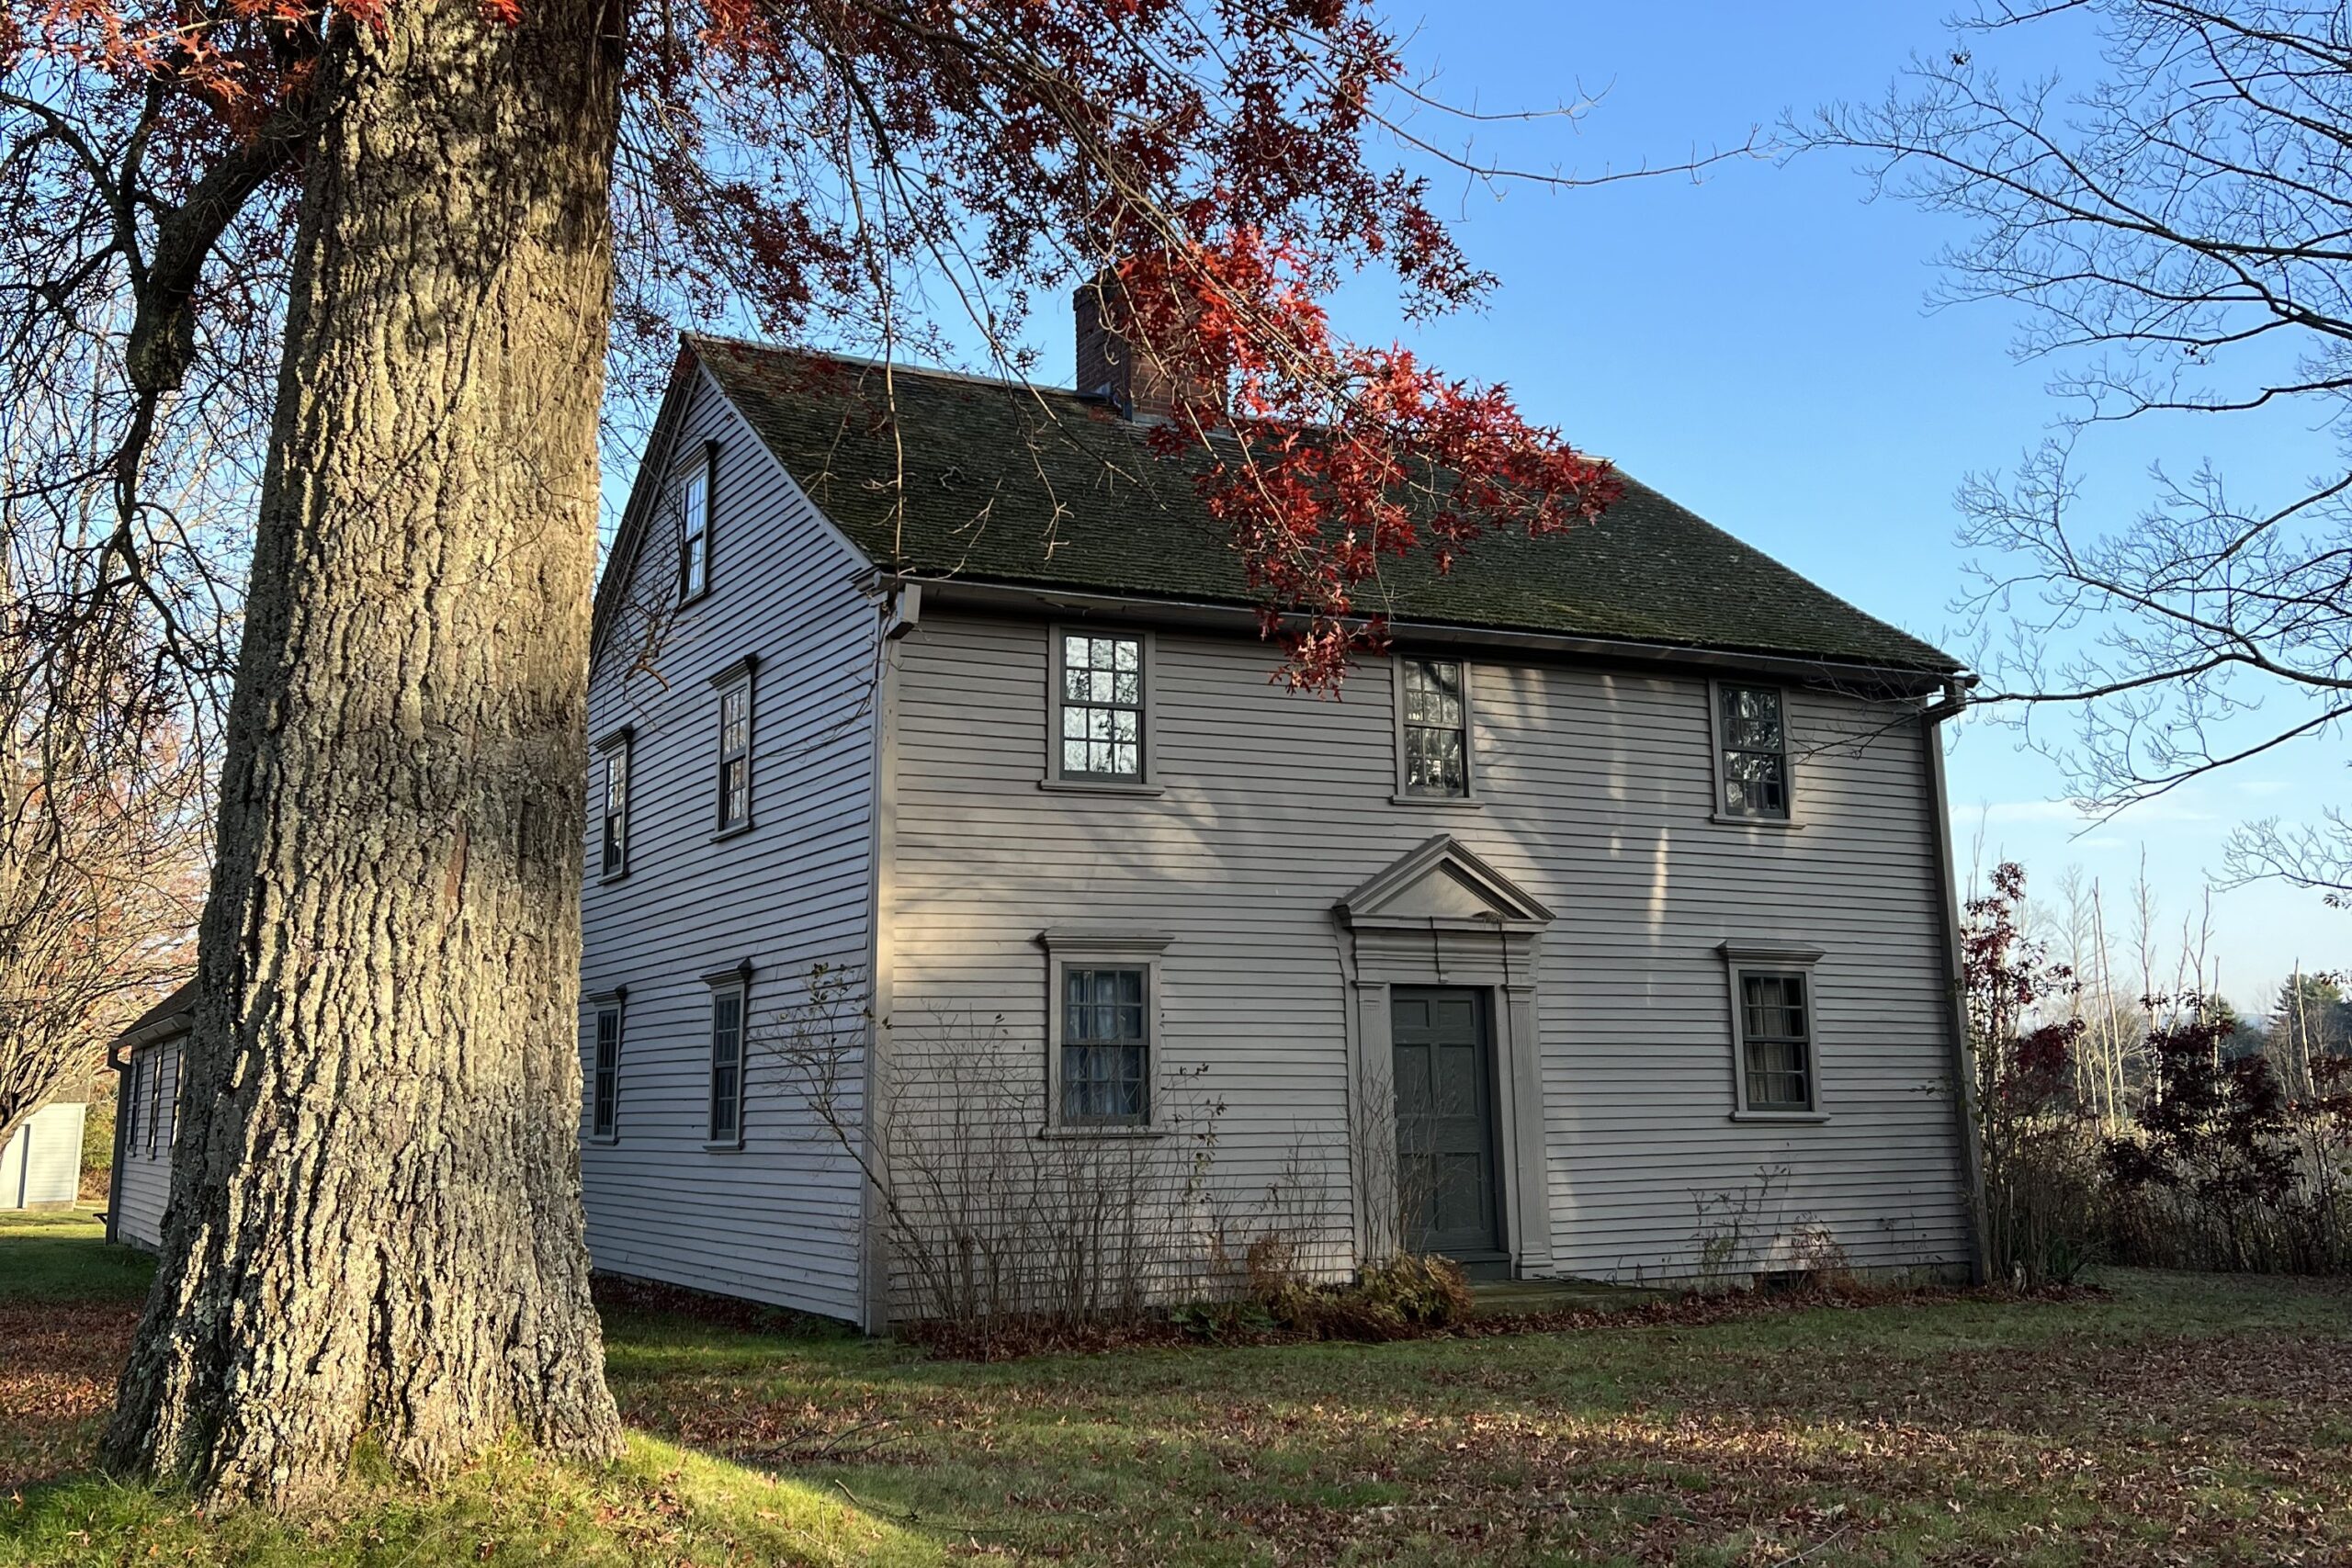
x=798, y=164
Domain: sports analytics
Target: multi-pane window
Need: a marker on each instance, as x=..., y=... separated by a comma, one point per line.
x=1776, y=1038
x=1755, y=752
x=694, y=528
x=616, y=810
x=1106, y=1046
x=735, y=755
x=1101, y=707
x=1436, y=721
x=604, y=1080
x=727, y=1065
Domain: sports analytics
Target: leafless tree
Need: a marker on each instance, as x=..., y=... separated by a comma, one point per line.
x=2179, y=234
x=102, y=818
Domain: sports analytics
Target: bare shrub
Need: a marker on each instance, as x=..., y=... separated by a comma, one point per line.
x=993, y=1216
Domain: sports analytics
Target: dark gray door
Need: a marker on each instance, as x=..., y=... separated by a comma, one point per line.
x=1445, y=1125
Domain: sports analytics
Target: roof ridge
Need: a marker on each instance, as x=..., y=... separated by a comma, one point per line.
x=896, y=366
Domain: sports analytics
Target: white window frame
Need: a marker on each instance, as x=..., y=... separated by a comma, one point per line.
x=697, y=474
x=1069, y=948
x=1741, y=960
x=1720, y=810
x=1148, y=656
x=615, y=1002
x=621, y=746
x=734, y=983
x=1402, y=792
x=736, y=677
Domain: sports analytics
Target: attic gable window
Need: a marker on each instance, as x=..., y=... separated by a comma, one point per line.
x=1099, y=708
x=694, y=526
x=1433, y=729
x=1752, y=753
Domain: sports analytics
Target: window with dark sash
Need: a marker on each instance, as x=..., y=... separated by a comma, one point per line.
x=727, y=1065
x=604, y=1080
x=1775, y=1041
x=155, y=1101
x=694, y=526
x=135, y=1095
x=735, y=755
x=1106, y=1045
x=1755, y=752
x=616, y=810
x=1101, y=700
x=1435, y=715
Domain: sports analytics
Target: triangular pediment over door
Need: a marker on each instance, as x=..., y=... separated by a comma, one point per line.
x=1445, y=885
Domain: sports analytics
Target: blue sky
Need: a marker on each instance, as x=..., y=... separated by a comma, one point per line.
x=1757, y=345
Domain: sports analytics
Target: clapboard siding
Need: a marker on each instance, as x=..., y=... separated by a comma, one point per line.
x=777, y=1219
x=148, y=1099
x=1596, y=786
x=40, y=1167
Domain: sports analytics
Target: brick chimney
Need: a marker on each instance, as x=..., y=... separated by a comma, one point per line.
x=1108, y=367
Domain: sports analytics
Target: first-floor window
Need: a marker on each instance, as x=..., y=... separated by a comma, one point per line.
x=1105, y=1045
x=604, y=1079
x=1776, y=1040
x=726, y=1064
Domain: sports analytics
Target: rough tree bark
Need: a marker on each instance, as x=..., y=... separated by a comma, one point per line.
x=377, y=1227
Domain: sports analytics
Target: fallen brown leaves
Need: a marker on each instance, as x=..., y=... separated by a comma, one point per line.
x=1014, y=1339
x=58, y=1365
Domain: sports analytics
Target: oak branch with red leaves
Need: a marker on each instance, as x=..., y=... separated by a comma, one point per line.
x=412, y=257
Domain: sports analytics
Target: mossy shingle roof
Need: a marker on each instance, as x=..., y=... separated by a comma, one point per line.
x=1045, y=489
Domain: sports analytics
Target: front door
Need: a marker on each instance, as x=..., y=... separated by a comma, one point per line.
x=1448, y=1188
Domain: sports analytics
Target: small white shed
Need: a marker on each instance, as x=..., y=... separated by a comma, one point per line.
x=41, y=1166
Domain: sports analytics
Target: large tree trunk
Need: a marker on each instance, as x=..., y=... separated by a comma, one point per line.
x=377, y=1227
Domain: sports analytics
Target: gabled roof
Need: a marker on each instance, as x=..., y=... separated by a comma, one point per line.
x=1041, y=488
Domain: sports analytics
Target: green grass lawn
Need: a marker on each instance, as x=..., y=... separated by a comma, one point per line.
x=2180, y=1419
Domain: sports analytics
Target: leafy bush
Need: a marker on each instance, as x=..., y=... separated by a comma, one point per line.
x=2222, y=1169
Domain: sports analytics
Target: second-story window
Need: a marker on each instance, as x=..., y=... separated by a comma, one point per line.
x=1753, y=754
x=614, y=814
x=1434, y=713
x=735, y=755
x=1100, y=704
x=694, y=528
